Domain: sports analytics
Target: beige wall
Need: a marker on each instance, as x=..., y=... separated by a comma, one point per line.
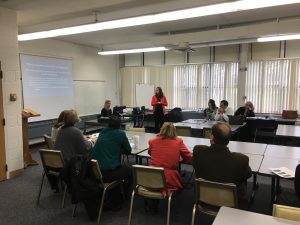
x=11, y=83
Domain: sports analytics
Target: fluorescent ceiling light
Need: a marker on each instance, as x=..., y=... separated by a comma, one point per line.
x=279, y=38
x=154, y=49
x=159, y=17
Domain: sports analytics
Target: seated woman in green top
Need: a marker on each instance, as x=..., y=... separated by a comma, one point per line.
x=111, y=143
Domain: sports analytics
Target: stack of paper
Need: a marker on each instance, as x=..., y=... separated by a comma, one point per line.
x=283, y=172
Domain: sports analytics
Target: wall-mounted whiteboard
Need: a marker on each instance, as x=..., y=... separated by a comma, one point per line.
x=144, y=93
x=89, y=96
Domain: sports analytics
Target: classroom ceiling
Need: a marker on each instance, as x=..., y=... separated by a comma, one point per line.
x=38, y=15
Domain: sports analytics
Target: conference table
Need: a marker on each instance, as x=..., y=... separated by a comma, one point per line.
x=103, y=122
x=288, y=131
x=254, y=151
x=279, y=120
x=199, y=124
x=262, y=157
x=278, y=156
x=231, y=216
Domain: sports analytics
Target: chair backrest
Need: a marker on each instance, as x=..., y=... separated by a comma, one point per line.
x=266, y=124
x=149, y=177
x=206, y=132
x=216, y=194
x=52, y=160
x=297, y=181
x=97, y=171
x=48, y=141
x=286, y=212
x=136, y=129
x=184, y=131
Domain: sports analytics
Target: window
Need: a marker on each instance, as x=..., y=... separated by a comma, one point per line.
x=273, y=85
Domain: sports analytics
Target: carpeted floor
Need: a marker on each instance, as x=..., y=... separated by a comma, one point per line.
x=18, y=196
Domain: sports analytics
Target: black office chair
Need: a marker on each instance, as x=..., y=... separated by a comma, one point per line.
x=138, y=116
x=297, y=181
x=265, y=128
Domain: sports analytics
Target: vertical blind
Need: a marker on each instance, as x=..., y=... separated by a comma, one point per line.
x=272, y=85
x=185, y=86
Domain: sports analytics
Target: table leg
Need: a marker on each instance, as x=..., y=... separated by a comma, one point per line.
x=255, y=185
x=273, y=191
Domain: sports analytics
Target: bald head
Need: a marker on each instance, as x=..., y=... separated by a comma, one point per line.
x=220, y=134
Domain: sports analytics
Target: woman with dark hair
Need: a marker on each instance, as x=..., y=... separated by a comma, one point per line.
x=112, y=142
x=210, y=111
x=59, y=123
x=159, y=102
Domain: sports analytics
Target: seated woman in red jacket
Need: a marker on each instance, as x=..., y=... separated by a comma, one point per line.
x=167, y=150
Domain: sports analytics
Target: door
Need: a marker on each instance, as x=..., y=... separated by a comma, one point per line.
x=2, y=139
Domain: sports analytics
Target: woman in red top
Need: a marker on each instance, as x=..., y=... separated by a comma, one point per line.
x=166, y=151
x=159, y=102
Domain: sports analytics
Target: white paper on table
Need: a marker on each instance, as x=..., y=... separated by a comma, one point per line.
x=283, y=172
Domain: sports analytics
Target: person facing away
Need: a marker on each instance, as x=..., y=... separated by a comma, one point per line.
x=247, y=110
x=159, y=102
x=167, y=150
x=70, y=140
x=223, y=112
x=217, y=163
x=106, y=110
x=59, y=123
x=210, y=111
x=110, y=145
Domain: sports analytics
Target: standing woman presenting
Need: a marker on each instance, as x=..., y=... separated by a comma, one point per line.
x=159, y=102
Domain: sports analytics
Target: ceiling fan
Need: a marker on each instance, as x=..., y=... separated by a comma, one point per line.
x=181, y=47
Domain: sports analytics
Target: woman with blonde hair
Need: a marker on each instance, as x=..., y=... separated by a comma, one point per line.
x=167, y=150
x=106, y=110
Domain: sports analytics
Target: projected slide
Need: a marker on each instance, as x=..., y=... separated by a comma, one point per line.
x=47, y=85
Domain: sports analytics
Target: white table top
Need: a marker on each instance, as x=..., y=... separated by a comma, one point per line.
x=279, y=151
x=288, y=130
x=203, y=124
x=234, y=146
x=230, y=216
x=143, y=141
x=273, y=162
x=254, y=160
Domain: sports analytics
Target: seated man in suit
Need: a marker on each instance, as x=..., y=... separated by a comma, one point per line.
x=217, y=163
x=247, y=110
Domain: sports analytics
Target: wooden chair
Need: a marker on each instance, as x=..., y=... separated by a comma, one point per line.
x=286, y=212
x=149, y=182
x=137, y=129
x=52, y=162
x=210, y=196
x=104, y=186
x=48, y=141
x=184, y=131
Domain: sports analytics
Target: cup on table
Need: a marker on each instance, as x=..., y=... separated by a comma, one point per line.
x=136, y=141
